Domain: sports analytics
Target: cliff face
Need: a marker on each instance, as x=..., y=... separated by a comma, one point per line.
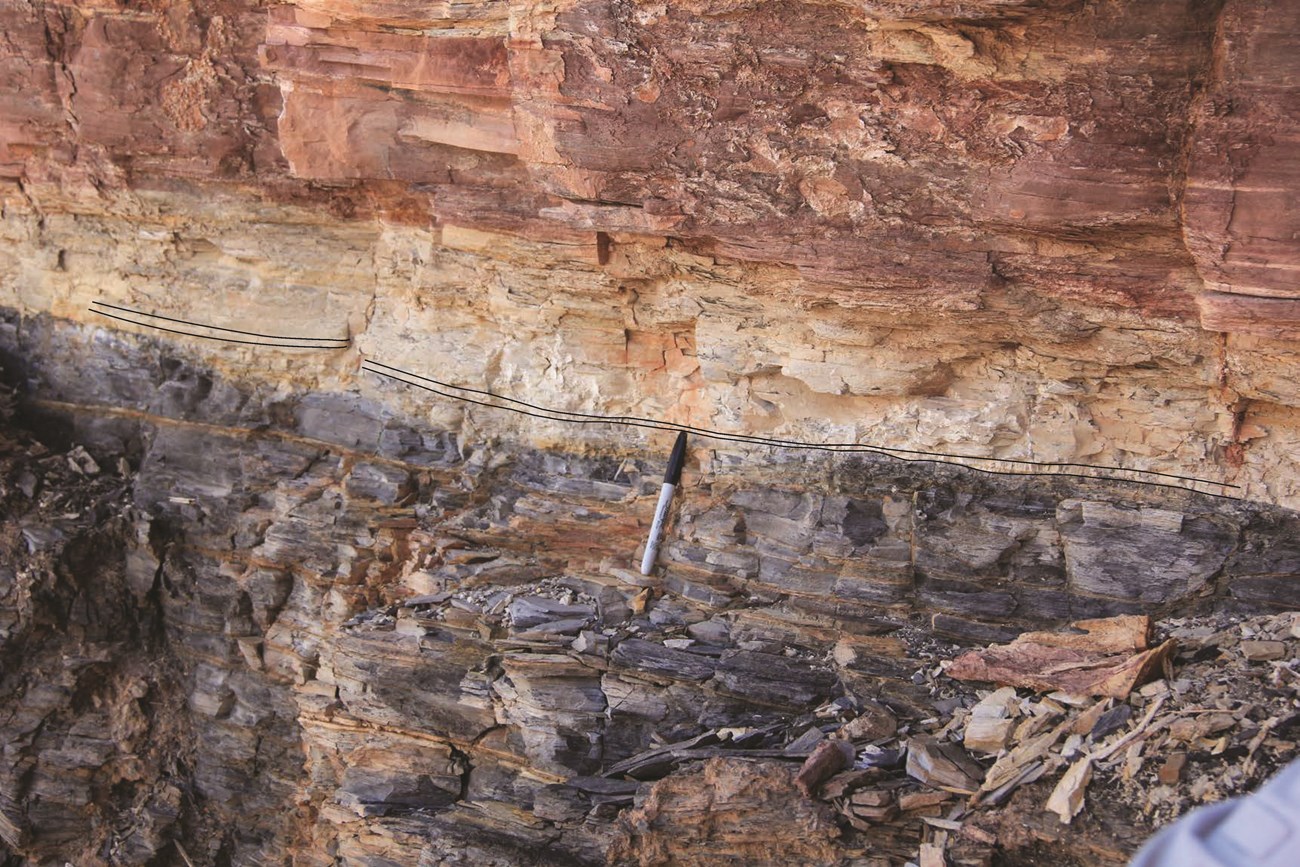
x=1022, y=231
x=1056, y=231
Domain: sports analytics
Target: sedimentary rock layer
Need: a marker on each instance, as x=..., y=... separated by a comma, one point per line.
x=432, y=649
x=1051, y=231
x=1046, y=231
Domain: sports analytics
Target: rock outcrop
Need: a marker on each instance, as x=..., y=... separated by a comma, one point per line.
x=1041, y=231
x=339, y=618
x=381, y=642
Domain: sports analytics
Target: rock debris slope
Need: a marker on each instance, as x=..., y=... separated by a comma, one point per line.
x=317, y=616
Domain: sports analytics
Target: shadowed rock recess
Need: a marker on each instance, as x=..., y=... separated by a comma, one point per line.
x=261, y=605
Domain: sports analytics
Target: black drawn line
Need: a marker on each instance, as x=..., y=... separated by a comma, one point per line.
x=343, y=340
x=1033, y=468
x=214, y=337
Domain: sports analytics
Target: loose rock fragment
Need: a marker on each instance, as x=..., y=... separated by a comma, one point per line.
x=1263, y=651
x=1109, y=658
x=1066, y=799
x=81, y=461
x=1111, y=721
x=529, y=611
x=806, y=742
x=873, y=723
x=830, y=757
x=876, y=757
x=883, y=813
x=931, y=856
x=1087, y=720
x=844, y=782
x=872, y=798
x=1172, y=769
x=1022, y=764
x=920, y=800
x=589, y=641
x=1192, y=728
x=942, y=765
x=991, y=721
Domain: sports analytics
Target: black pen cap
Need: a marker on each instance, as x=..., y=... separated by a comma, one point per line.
x=676, y=460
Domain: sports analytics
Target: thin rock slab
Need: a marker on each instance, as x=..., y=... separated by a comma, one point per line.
x=847, y=781
x=649, y=657
x=942, y=765
x=1018, y=766
x=989, y=728
x=1106, y=657
x=1066, y=799
x=654, y=763
x=931, y=856
x=873, y=723
x=830, y=757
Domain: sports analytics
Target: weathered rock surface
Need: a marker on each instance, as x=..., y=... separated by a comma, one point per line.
x=429, y=648
x=350, y=621
x=999, y=229
x=709, y=815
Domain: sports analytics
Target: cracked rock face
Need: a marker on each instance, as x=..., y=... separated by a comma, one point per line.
x=347, y=620
x=397, y=646
x=1029, y=231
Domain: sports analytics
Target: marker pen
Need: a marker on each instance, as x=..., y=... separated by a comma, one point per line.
x=672, y=478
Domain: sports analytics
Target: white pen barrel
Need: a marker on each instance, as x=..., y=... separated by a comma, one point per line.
x=661, y=512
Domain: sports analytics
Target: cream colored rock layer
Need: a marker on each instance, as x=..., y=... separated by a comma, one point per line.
x=661, y=333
